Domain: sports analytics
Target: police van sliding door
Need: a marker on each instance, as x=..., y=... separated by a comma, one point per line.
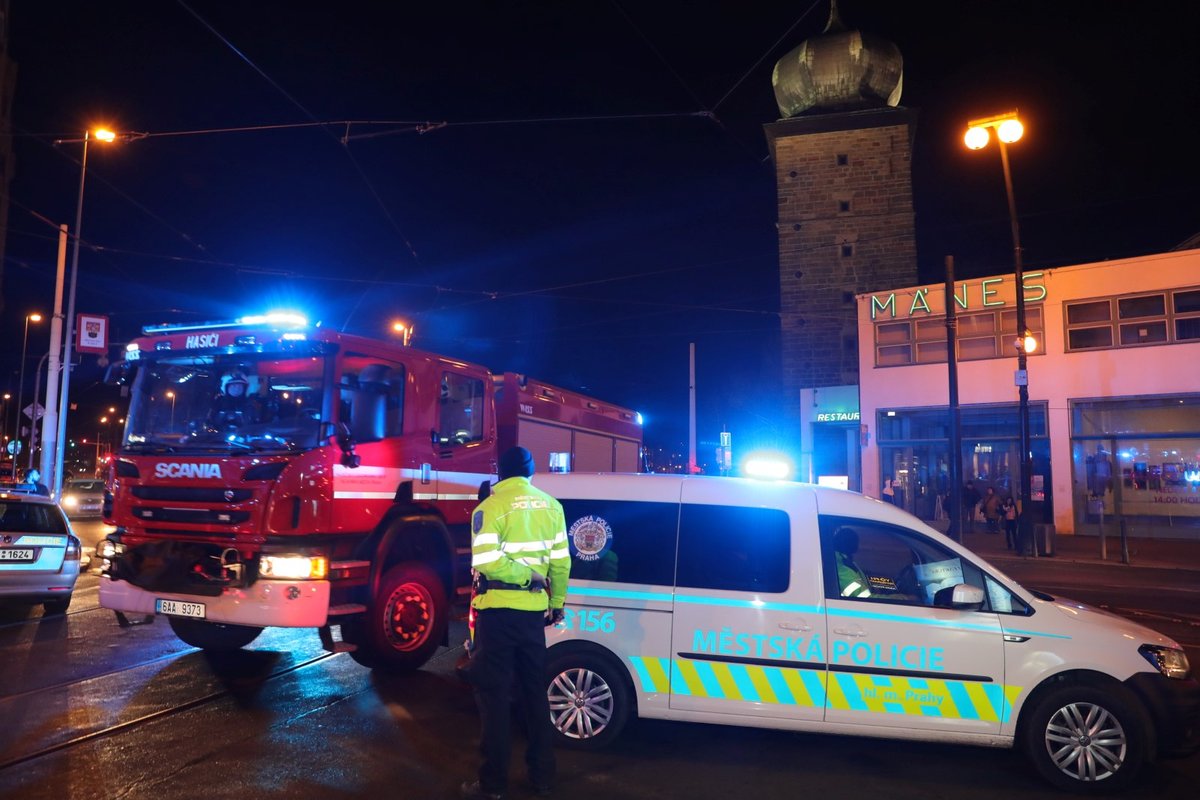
x=748, y=618
x=897, y=657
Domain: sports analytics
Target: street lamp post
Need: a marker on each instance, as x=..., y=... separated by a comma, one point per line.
x=1009, y=130
x=21, y=387
x=171, y=395
x=63, y=404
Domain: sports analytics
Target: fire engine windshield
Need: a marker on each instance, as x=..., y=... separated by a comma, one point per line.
x=260, y=402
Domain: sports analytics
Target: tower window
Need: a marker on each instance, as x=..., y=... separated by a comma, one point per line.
x=847, y=250
x=843, y=159
x=843, y=205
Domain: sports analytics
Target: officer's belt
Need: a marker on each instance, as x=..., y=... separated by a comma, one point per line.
x=483, y=585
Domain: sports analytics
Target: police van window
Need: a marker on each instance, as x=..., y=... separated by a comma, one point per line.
x=624, y=541
x=371, y=398
x=734, y=548
x=461, y=419
x=1002, y=601
x=879, y=563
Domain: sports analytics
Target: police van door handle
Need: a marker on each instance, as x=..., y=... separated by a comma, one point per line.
x=857, y=633
x=796, y=626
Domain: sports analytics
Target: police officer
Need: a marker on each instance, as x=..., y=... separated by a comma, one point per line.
x=519, y=552
x=852, y=581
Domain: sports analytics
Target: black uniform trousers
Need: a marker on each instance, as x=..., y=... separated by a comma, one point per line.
x=510, y=650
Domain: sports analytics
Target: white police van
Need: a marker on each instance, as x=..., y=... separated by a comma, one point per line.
x=719, y=600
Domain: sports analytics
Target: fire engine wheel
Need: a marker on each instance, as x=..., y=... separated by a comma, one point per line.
x=1087, y=740
x=590, y=700
x=213, y=635
x=405, y=623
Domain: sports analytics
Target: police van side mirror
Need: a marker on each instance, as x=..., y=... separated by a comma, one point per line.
x=962, y=597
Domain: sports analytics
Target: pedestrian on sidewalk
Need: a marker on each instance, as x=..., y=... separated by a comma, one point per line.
x=1009, y=511
x=991, y=510
x=970, y=499
x=889, y=491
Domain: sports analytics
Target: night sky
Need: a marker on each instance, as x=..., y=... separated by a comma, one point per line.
x=600, y=194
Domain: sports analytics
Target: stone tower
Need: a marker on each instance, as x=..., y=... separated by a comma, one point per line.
x=842, y=153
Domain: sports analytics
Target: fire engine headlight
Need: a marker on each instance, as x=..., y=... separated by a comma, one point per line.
x=1167, y=660
x=293, y=567
x=70, y=501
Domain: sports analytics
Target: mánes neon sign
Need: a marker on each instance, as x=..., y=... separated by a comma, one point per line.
x=986, y=296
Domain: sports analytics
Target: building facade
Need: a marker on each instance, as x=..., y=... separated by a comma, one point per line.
x=842, y=152
x=1113, y=387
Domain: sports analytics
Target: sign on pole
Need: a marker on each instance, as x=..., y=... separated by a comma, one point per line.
x=34, y=411
x=91, y=333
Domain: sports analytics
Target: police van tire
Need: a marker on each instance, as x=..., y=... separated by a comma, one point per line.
x=213, y=635
x=405, y=622
x=590, y=699
x=1087, y=740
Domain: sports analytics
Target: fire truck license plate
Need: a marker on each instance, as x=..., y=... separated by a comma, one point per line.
x=14, y=554
x=179, y=609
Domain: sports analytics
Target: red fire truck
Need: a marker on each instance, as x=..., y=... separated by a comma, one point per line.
x=274, y=473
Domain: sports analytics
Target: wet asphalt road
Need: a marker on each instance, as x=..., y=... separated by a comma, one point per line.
x=92, y=710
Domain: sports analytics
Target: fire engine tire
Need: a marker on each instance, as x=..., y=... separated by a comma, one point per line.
x=1086, y=739
x=213, y=635
x=405, y=622
x=57, y=606
x=590, y=699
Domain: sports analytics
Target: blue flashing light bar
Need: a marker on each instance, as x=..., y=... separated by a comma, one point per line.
x=280, y=319
x=767, y=467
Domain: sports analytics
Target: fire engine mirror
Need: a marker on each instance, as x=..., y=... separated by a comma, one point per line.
x=345, y=442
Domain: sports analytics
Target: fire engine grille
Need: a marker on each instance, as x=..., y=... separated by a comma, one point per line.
x=193, y=516
x=186, y=494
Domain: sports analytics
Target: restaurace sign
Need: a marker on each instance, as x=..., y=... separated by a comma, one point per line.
x=970, y=296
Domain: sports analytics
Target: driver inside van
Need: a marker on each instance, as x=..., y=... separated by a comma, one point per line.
x=852, y=581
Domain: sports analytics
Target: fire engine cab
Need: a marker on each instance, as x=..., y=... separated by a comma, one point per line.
x=274, y=473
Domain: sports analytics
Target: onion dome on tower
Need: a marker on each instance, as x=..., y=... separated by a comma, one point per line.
x=839, y=70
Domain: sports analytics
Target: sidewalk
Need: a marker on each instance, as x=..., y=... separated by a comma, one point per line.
x=1157, y=553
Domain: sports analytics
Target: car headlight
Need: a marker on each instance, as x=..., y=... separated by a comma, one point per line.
x=293, y=567
x=1167, y=660
x=70, y=501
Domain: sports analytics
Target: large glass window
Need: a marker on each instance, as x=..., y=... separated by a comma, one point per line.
x=462, y=403
x=620, y=540
x=248, y=401
x=878, y=563
x=1134, y=320
x=985, y=334
x=734, y=548
x=372, y=398
x=1137, y=460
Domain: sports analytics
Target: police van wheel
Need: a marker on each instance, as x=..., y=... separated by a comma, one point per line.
x=1087, y=740
x=590, y=700
x=213, y=635
x=405, y=623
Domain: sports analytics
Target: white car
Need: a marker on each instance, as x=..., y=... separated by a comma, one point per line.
x=39, y=555
x=792, y=606
x=83, y=497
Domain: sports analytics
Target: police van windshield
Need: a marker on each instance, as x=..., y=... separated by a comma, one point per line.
x=259, y=402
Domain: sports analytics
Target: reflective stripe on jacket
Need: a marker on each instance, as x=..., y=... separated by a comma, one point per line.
x=852, y=581
x=516, y=531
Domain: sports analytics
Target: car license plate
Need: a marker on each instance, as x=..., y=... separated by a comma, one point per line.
x=177, y=608
x=16, y=554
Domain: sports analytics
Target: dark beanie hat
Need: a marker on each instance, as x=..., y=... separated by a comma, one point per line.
x=516, y=462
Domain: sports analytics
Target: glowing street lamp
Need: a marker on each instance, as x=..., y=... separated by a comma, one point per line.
x=102, y=135
x=171, y=395
x=35, y=317
x=1009, y=130
x=404, y=329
